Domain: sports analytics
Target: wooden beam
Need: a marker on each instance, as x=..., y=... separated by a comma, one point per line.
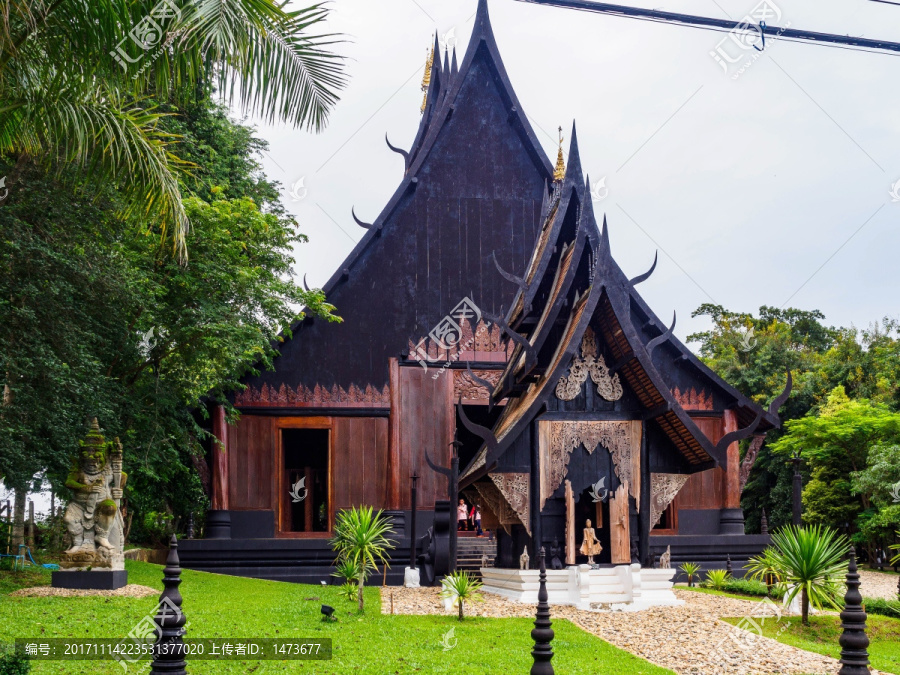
x=219, y=459
x=733, y=464
x=393, y=482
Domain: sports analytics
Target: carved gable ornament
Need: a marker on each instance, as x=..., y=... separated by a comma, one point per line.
x=591, y=363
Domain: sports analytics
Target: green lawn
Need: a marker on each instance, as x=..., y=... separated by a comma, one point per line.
x=223, y=606
x=821, y=636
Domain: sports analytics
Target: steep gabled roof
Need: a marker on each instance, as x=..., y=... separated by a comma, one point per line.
x=473, y=185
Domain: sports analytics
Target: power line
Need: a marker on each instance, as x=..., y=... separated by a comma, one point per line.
x=727, y=25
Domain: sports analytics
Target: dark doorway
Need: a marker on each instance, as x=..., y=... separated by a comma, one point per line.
x=305, y=490
x=598, y=513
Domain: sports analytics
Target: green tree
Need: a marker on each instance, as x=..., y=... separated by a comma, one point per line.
x=69, y=102
x=835, y=441
x=94, y=321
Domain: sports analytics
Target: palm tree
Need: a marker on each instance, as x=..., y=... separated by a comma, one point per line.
x=76, y=76
x=810, y=560
x=359, y=540
x=462, y=587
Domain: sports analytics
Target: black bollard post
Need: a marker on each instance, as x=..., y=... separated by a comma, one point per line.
x=854, y=641
x=797, y=496
x=542, y=634
x=168, y=654
x=412, y=521
x=763, y=523
x=190, y=525
x=728, y=567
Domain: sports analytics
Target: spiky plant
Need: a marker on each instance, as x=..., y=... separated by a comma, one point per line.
x=895, y=547
x=360, y=541
x=461, y=587
x=765, y=567
x=811, y=561
x=717, y=579
x=690, y=570
x=348, y=572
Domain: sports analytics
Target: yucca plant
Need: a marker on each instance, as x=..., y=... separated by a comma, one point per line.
x=690, y=570
x=360, y=541
x=461, y=587
x=764, y=567
x=347, y=571
x=811, y=561
x=717, y=579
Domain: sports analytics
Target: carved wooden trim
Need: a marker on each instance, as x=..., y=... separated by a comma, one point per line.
x=317, y=397
x=514, y=488
x=469, y=390
x=493, y=500
x=691, y=399
x=591, y=363
x=570, y=524
x=621, y=438
x=485, y=343
x=749, y=460
x=663, y=488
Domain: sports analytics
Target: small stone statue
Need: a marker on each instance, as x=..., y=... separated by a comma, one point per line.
x=92, y=518
x=591, y=545
x=665, y=560
x=485, y=559
x=523, y=559
x=555, y=552
x=635, y=553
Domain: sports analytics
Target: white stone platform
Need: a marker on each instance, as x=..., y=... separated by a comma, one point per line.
x=622, y=587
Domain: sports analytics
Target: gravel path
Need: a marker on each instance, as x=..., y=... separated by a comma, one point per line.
x=688, y=640
x=129, y=591
x=878, y=584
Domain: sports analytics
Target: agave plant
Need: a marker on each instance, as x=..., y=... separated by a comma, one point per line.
x=461, y=587
x=690, y=570
x=360, y=542
x=811, y=561
x=717, y=579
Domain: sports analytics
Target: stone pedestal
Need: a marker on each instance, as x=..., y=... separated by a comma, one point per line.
x=731, y=521
x=218, y=524
x=411, y=578
x=99, y=580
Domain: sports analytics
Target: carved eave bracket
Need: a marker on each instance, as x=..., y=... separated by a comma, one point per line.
x=592, y=363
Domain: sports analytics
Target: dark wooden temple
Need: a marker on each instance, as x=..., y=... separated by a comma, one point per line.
x=483, y=305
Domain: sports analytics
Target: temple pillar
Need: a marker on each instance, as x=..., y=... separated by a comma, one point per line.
x=644, y=517
x=731, y=518
x=218, y=519
x=393, y=482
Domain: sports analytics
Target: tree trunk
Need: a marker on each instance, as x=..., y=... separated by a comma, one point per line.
x=359, y=592
x=750, y=459
x=804, y=606
x=460, y=609
x=18, y=531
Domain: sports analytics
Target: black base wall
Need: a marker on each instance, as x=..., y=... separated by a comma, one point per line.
x=710, y=552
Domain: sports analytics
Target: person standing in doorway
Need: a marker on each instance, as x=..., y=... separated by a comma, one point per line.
x=461, y=516
x=476, y=519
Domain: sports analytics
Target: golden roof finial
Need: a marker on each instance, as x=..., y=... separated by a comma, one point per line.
x=560, y=172
x=426, y=78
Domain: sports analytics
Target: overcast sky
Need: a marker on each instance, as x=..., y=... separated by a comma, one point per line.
x=771, y=187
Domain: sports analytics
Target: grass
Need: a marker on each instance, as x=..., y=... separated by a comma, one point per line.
x=821, y=636
x=224, y=606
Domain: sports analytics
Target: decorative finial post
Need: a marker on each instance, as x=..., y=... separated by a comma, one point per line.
x=728, y=567
x=168, y=655
x=542, y=634
x=560, y=171
x=763, y=523
x=426, y=78
x=190, y=525
x=854, y=641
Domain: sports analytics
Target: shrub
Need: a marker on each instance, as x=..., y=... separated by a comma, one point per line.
x=748, y=587
x=14, y=664
x=881, y=606
x=360, y=540
x=717, y=579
